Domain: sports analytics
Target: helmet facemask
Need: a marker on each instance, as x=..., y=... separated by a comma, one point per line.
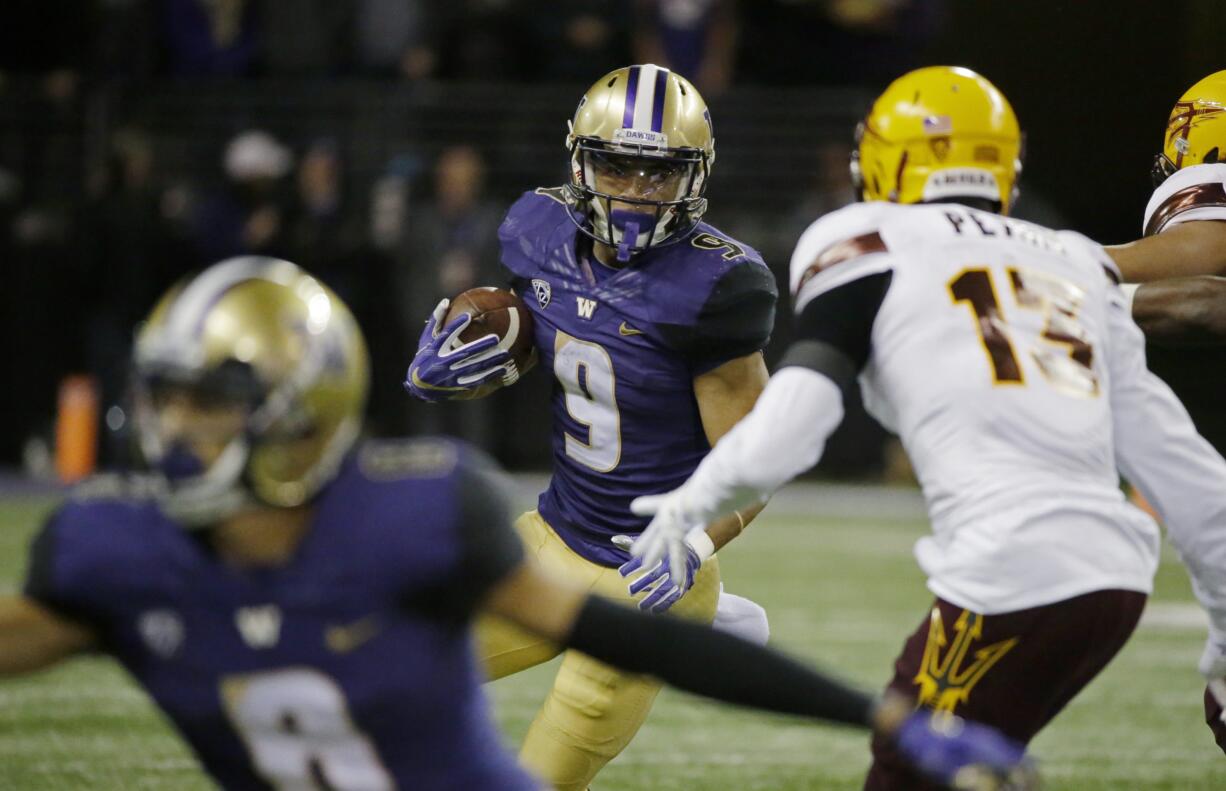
x=249, y=388
x=194, y=432
x=635, y=197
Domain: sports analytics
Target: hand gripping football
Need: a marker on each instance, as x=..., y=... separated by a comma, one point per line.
x=500, y=312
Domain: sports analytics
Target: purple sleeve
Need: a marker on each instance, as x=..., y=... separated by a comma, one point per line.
x=736, y=319
x=45, y=581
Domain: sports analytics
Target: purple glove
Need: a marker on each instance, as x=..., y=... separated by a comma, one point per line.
x=964, y=754
x=665, y=592
x=444, y=367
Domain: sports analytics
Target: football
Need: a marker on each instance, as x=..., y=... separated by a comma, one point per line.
x=497, y=311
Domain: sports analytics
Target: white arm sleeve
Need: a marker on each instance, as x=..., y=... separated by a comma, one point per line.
x=1159, y=451
x=782, y=436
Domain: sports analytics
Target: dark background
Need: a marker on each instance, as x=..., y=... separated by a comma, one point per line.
x=116, y=116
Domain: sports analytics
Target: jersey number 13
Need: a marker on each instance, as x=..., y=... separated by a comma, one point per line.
x=1062, y=350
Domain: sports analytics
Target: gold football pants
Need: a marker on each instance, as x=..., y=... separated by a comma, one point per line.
x=593, y=710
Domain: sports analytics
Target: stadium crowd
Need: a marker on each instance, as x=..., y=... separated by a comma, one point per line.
x=101, y=208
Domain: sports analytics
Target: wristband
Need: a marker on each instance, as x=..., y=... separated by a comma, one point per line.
x=701, y=543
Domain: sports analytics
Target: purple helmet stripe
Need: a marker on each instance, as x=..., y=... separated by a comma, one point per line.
x=632, y=91
x=657, y=107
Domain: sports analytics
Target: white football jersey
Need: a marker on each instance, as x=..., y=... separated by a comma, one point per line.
x=1193, y=193
x=1004, y=357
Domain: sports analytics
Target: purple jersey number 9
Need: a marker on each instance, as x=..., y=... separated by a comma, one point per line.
x=586, y=373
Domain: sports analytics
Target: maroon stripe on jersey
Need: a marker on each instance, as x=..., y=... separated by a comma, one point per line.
x=841, y=252
x=1195, y=197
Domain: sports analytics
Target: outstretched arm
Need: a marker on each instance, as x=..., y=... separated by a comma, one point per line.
x=731, y=669
x=33, y=637
x=1182, y=311
x=1185, y=250
x=725, y=395
x=707, y=662
x=1158, y=450
x=752, y=457
x=782, y=436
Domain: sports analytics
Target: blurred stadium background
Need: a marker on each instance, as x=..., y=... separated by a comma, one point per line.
x=377, y=142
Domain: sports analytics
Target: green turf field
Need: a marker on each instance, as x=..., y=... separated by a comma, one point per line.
x=841, y=591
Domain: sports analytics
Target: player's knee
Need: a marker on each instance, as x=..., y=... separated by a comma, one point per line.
x=743, y=618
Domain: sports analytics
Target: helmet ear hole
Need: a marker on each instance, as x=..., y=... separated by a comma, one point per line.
x=1211, y=157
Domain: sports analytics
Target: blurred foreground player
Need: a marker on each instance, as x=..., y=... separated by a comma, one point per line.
x=652, y=324
x=1003, y=354
x=299, y=607
x=1180, y=302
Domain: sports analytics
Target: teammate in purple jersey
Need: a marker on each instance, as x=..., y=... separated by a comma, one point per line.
x=626, y=347
x=300, y=608
x=651, y=323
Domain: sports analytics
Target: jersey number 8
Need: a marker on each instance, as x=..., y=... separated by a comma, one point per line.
x=297, y=727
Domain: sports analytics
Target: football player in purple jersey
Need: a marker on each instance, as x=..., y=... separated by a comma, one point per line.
x=298, y=603
x=651, y=323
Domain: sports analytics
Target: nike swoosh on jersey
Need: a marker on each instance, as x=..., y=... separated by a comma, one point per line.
x=626, y=329
x=343, y=639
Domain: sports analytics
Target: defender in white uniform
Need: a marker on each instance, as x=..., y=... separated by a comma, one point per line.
x=1181, y=300
x=1004, y=356
x=1181, y=259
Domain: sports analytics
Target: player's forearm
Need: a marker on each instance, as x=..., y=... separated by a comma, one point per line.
x=706, y=662
x=728, y=527
x=1182, y=311
x=782, y=437
x=33, y=638
x=1187, y=250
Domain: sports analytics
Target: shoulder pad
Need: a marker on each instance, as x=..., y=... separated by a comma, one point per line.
x=1193, y=193
x=848, y=235
x=534, y=225
x=397, y=459
x=116, y=486
x=681, y=279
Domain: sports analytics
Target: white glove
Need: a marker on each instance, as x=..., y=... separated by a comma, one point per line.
x=661, y=588
x=1213, y=659
x=1213, y=665
x=665, y=535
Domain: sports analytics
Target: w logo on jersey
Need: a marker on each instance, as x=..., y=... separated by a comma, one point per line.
x=543, y=291
x=586, y=307
x=259, y=626
x=162, y=630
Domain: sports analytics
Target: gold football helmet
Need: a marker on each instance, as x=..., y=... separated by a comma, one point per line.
x=1196, y=130
x=938, y=133
x=641, y=149
x=259, y=338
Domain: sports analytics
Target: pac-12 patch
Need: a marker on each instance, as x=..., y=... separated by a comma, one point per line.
x=543, y=292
